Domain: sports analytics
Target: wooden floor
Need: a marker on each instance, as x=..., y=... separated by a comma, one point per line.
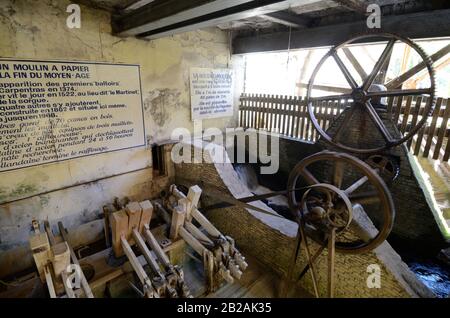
x=256, y=282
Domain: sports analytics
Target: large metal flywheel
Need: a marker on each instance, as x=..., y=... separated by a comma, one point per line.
x=365, y=89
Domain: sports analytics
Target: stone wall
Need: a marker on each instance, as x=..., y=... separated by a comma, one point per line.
x=74, y=191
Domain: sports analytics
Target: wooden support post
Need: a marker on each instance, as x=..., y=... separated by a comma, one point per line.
x=49, y=232
x=119, y=227
x=107, y=210
x=134, y=212
x=60, y=258
x=146, y=215
x=40, y=247
x=194, y=197
x=178, y=216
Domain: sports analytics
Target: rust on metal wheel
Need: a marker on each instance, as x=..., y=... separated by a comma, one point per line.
x=362, y=96
x=364, y=187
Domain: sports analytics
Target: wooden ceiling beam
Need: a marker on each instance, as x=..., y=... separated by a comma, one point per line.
x=353, y=5
x=172, y=17
x=288, y=19
x=426, y=24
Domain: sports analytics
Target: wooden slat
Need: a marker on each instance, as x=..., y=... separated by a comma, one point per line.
x=303, y=119
x=266, y=105
x=245, y=111
x=283, y=117
x=299, y=117
x=249, y=111
x=308, y=124
x=398, y=108
x=419, y=141
x=279, y=108
x=271, y=112
x=288, y=115
x=248, y=114
x=330, y=112
x=241, y=101
x=255, y=111
x=390, y=104
x=442, y=131
x=415, y=113
x=406, y=114
x=320, y=116
x=294, y=116
x=432, y=128
x=447, y=151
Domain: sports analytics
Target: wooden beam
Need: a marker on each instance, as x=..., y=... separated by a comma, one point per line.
x=182, y=16
x=428, y=24
x=136, y=5
x=288, y=19
x=353, y=5
x=327, y=88
x=178, y=217
x=362, y=73
x=397, y=82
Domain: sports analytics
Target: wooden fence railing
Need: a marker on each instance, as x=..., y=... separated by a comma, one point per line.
x=288, y=116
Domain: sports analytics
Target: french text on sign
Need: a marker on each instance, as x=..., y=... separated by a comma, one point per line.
x=54, y=111
x=211, y=93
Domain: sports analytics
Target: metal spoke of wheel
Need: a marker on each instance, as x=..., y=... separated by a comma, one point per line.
x=309, y=177
x=401, y=92
x=384, y=56
x=351, y=81
x=362, y=189
x=331, y=97
x=378, y=122
x=356, y=185
x=348, y=114
x=338, y=174
x=365, y=198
